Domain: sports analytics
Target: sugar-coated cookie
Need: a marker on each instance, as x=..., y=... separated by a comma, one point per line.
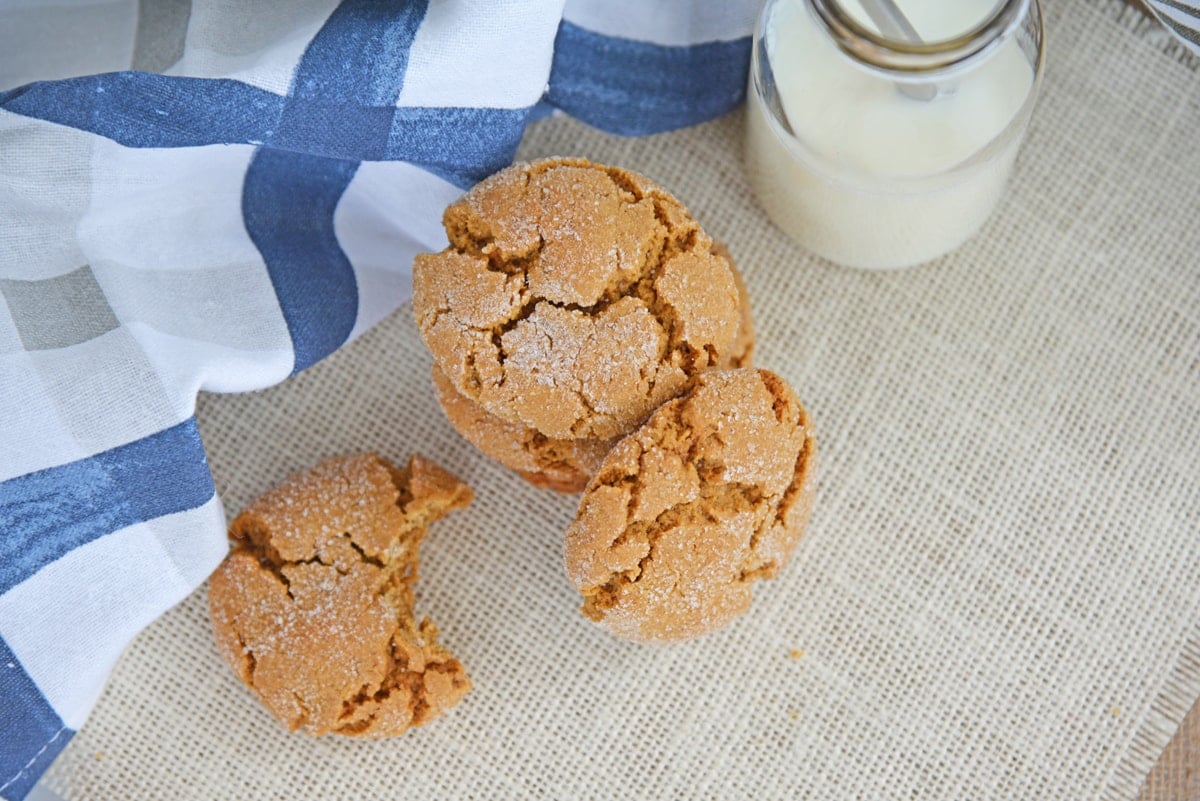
x=574, y=298
x=564, y=465
x=687, y=512
x=313, y=608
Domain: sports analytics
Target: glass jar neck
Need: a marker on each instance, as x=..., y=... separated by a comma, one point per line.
x=917, y=59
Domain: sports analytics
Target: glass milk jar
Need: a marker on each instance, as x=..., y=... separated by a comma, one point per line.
x=887, y=149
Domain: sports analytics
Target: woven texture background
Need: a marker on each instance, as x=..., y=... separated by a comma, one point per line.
x=999, y=594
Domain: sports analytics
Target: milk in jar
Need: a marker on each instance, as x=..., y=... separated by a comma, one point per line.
x=861, y=172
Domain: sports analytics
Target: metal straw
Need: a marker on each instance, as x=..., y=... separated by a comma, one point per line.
x=892, y=23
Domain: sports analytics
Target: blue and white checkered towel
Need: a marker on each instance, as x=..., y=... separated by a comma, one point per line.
x=229, y=193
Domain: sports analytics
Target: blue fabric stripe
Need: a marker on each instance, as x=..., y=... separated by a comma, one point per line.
x=31, y=733
x=288, y=202
x=460, y=145
x=45, y=515
x=342, y=104
x=138, y=109
x=349, y=77
x=142, y=109
x=361, y=53
x=633, y=88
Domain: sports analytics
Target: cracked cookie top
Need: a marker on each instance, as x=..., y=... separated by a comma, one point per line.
x=574, y=298
x=313, y=607
x=710, y=495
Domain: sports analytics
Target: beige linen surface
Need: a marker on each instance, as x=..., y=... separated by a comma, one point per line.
x=998, y=598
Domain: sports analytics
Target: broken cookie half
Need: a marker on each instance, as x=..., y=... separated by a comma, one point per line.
x=313, y=607
x=710, y=495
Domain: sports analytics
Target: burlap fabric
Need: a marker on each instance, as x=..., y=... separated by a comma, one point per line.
x=999, y=596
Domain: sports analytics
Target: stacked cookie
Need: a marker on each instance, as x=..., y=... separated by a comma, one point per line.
x=573, y=300
x=588, y=334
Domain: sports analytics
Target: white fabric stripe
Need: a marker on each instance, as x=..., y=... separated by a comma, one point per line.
x=1192, y=4
x=390, y=212
x=187, y=366
x=35, y=436
x=60, y=4
x=262, y=49
x=666, y=22
x=231, y=304
x=70, y=621
x=10, y=340
x=44, y=185
x=86, y=389
x=167, y=209
x=1183, y=27
x=471, y=53
x=166, y=240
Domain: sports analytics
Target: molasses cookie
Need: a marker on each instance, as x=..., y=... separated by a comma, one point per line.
x=574, y=298
x=686, y=513
x=313, y=608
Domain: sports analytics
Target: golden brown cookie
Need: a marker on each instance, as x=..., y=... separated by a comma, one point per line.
x=686, y=513
x=313, y=607
x=574, y=298
x=741, y=352
x=564, y=465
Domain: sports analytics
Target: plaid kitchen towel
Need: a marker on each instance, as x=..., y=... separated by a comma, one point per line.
x=212, y=196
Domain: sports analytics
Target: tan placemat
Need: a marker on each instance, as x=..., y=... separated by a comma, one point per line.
x=999, y=596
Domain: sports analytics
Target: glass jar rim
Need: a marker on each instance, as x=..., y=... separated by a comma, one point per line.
x=918, y=58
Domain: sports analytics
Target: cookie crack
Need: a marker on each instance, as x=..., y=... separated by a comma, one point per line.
x=622, y=181
x=467, y=231
x=527, y=309
x=370, y=560
x=249, y=660
x=579, y=428
x=257, y=543
x=599, y=599
x=552, y=459
x=305, y=715
x=668, y=243
x=738, y=496
x=432, y=317
x=802, y=470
